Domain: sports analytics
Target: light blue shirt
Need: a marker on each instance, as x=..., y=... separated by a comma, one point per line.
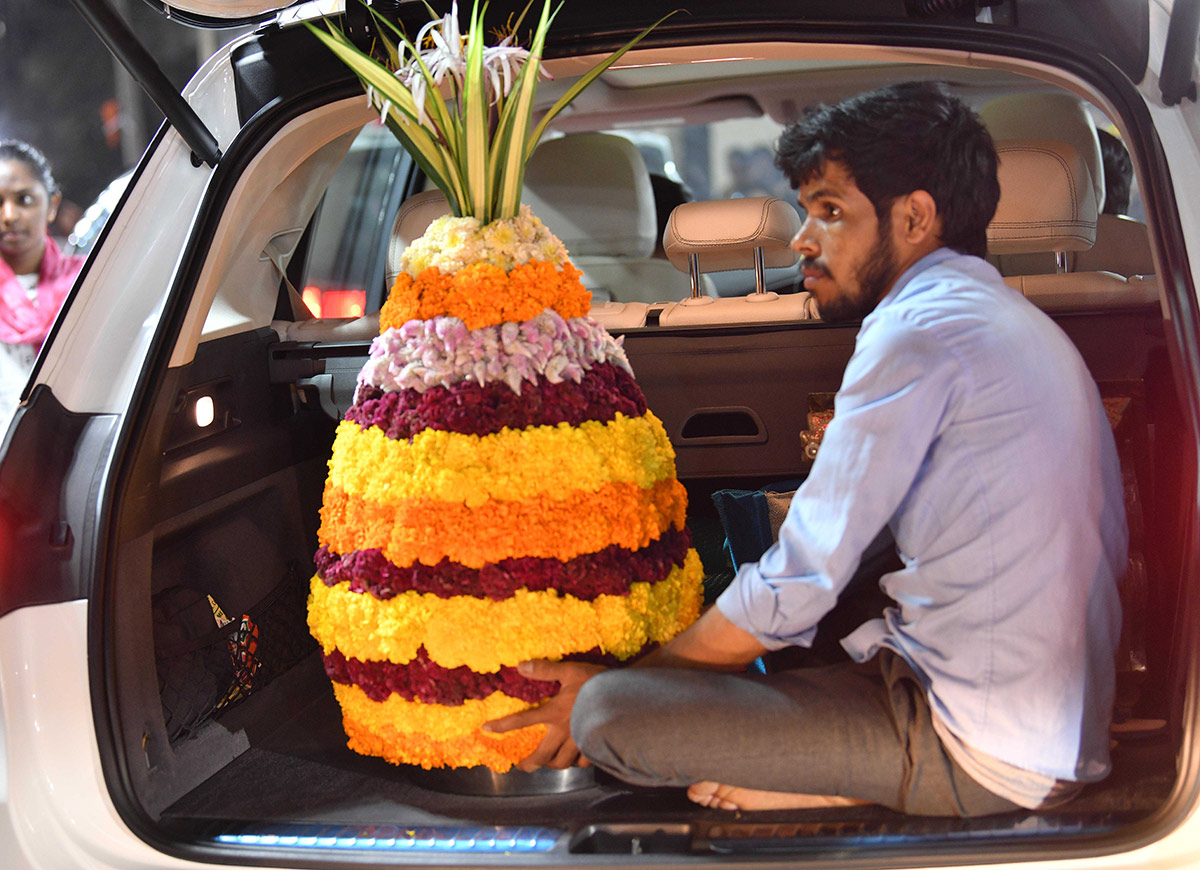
x=968, y=423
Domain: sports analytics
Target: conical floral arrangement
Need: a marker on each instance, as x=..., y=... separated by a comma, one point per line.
x=499, y=490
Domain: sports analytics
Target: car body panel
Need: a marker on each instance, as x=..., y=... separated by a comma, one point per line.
x=54, y=802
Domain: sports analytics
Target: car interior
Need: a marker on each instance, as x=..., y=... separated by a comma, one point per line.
x=226, y=722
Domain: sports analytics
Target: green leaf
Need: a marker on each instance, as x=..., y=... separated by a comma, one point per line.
x=589, y=77
x=481, y=175
x=514, y=151
x=444, y=121
x=431, y=154
x=437, y=174
x=475, y=118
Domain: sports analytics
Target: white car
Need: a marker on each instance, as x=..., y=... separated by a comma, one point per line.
x=162, y=704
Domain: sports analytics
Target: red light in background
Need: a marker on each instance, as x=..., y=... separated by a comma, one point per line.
x=343, y=303
x=312, y=298
x=334, y=303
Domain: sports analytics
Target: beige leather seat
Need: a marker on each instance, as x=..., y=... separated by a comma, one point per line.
x=1047, y=206
x=1122, y=245
x=593, y=191
x=752, y=233
x=412, y=219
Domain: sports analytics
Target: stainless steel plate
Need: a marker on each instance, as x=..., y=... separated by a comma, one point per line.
x=486, y=782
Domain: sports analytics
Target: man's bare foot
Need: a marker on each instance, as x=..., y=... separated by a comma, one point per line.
x=730, y=797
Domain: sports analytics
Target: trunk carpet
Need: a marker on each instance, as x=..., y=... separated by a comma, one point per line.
x=301, y=771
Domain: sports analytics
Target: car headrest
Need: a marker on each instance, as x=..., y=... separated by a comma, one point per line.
x=1049, y=116
x=725, y=232
x=593, y=191
x=1046, y=199
x=412, y=219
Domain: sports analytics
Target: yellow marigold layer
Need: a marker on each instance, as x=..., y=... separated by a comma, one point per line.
x=430, y=735
x=484, y=295
x=484, y=634
x=427, y=530
x=509, y=465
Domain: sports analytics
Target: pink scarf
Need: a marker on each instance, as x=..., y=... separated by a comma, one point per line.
x=26, y=321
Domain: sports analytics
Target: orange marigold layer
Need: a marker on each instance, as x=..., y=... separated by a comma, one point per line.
x=484, y=295
x=427, y=531
x=371, y=731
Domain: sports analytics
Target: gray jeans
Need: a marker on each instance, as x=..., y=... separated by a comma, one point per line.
x=860, y=731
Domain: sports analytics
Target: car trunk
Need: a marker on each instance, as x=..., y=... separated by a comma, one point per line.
x=230, y=734
x=233, y=517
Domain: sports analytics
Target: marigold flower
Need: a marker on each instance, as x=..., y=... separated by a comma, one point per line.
x=528, y=625
x=510, y=465
x=433, y=737
x=425, y=530
x=482, y=294
x=607, y=572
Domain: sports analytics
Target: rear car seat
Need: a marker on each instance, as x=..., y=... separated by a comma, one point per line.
x=1122, y=244
x=594, y=192
x=1047, y=206
x=753, y=233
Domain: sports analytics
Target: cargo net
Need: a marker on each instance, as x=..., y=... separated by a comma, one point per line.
x=209, y=660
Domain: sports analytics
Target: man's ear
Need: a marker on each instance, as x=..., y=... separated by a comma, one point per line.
x=920, y=221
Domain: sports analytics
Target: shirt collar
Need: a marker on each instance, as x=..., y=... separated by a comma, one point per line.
x=930, y=259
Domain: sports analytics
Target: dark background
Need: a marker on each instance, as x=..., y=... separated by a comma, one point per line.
x=64, y=94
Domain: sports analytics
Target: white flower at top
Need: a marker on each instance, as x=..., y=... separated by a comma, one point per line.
x=443, y=51
x=474, y=143
x=451, y=243
x=502, y=63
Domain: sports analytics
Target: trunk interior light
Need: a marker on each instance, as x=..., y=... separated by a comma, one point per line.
x=205, y=411
x=202, y=411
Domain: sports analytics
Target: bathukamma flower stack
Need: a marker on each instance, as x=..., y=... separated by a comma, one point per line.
x=497, y=492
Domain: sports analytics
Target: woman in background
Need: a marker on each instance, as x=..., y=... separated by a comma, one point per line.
x=35, y=276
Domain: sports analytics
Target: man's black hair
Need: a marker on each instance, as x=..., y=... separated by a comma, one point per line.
x=901, y=138
x=1118, y=173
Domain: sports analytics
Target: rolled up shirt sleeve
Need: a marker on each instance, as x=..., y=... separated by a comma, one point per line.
x=899, y=389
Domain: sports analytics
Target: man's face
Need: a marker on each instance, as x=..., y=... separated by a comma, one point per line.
x=848, y=257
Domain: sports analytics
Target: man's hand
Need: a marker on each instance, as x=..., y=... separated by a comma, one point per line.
x=557, y=749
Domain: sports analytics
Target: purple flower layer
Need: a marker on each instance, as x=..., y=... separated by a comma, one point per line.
x=424, y=680
x=606, y=572
x=473, y=409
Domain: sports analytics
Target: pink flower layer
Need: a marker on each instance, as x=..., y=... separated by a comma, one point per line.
x=440, y=352
x=426, y=681
x=606, y=572
x=473, y=409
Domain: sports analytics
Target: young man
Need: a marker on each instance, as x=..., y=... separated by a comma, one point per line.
x=968, y=424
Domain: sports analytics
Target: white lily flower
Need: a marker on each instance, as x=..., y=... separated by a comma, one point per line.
x=416, y=86
x=447, y=56
x=502, y=62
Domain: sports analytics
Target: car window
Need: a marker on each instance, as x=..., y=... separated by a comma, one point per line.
x=725, y=159
x=348, y=235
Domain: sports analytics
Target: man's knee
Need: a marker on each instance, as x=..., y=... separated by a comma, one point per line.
x=604, y=718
